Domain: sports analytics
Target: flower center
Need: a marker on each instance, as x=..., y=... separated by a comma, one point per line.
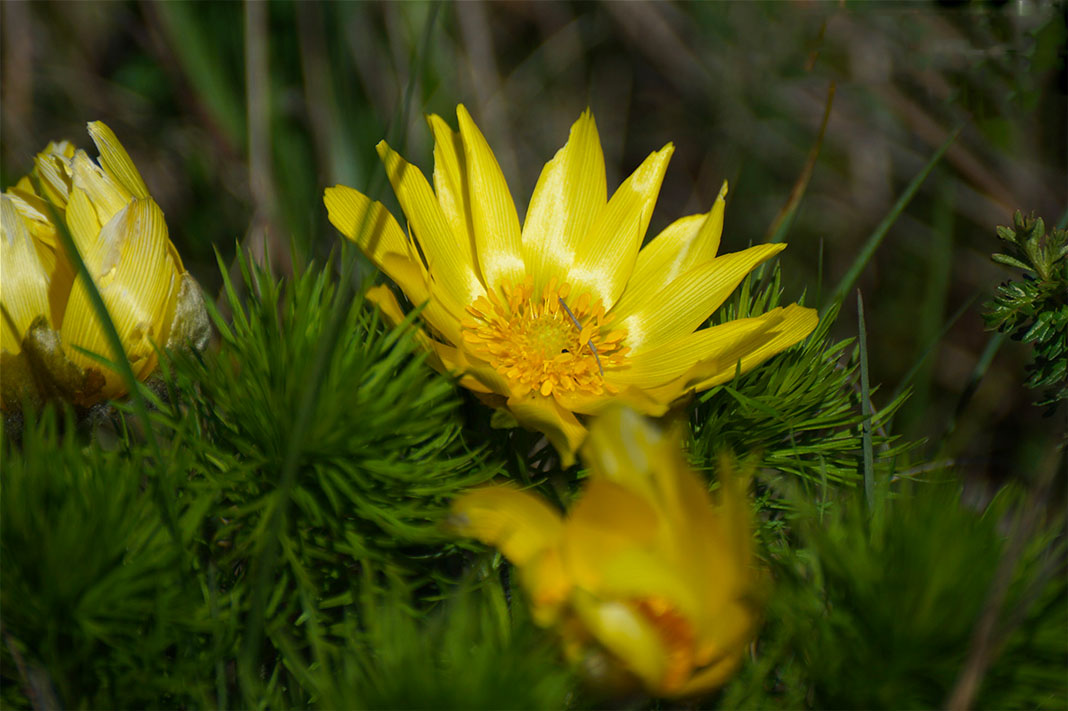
x=544, y=344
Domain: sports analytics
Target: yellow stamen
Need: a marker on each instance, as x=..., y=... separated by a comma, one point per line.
x=544, y=344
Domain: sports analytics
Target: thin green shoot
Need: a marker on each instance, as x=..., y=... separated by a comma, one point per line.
x=866, y=409
x=876, y=237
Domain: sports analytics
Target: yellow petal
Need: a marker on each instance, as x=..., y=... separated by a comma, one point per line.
x=83, y=222
x=559, y=425
x=440, y=310
x=54, y=170
x=798, y=322
x=106, y=194
x=794, y=323
x=652, y=367
x=607, y=520
x=366, y=223
x=371, y=226
x=629, y=396
x=24, y=285
x=443, y=358
x=681, y=246
x=570, y=193
x=683, y=304
x=448, y=259
x=33, y=214
x=497, y=235
x=547, y=585
x=116, y=161
x=625, y=633
x=515, y=522
x=605, y=256
x=136, y=277
x=654, y=574
x=382, y=297
x=451, y=186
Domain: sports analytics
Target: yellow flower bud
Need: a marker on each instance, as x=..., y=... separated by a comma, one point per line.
x=51, y=331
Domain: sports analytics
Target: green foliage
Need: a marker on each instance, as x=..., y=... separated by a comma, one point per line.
x=1035, y=309
x=799, y=413
x=474, y=652
x=139, y=575
x=880, y=609
x=381, y=449
x=97, y=610
x=306, y=497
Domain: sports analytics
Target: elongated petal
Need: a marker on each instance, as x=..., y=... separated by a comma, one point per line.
x=798, y=322
x=604, y=258
x=474, y=374
x=683, y=304
x=559, y=425
x=451, y=186
x=34, y=212
x=515, y=522
x=497, y=234
x=570, y=193
x=449, y=260
x=444, y=358
x=116, y=161
x=83, y=222
x=371, y=226
x=107, y=195
x=23, y=279
x=53, y=167
x=440, y=311
x=794, y=323
x=367, y=223
x=657, y=366
x=386, y=301
x=681, y=246
x=136, y=277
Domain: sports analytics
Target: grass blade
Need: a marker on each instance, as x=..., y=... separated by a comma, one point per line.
x=866, y=409
x=785, y=218
x=876, y=237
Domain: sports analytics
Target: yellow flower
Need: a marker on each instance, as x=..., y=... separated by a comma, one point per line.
x=646, y=577
x=122, y=237
x=565, y=314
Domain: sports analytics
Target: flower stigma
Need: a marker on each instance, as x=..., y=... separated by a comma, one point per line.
x=543, y=344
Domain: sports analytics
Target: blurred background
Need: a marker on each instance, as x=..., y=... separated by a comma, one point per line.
x=238, y=115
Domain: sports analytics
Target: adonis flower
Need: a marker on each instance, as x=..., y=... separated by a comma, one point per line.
x=567, y=313
x=49, y=326
x=646, y=577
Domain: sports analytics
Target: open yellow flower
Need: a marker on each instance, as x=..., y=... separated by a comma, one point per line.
x=48, y=323
x=566, y=313
x=646, y=577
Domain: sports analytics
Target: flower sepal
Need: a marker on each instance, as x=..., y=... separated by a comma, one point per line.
x=191, y=326
x=42, y=372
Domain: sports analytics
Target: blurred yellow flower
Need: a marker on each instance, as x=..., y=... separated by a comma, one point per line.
x=48, y=323
x=565, y=314
x=646, y=577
